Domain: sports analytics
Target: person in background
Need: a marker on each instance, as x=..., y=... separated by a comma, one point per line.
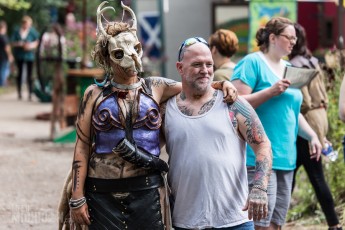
x=206, y=143
x=24, y=42
x=223, y=45
x=314, y=109
x=6, y=57
x=258, y=77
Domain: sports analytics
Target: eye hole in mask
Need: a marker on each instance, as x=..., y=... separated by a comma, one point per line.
x=137, y=48
x=118, y=54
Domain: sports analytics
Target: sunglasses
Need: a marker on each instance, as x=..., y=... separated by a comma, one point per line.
x=189, y=42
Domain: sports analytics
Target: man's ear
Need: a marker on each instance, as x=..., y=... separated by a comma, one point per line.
x=179, y=66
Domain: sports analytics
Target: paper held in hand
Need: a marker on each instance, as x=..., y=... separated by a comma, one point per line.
x=299, y=77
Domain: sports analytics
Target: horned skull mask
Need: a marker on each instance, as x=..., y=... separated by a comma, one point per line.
x=124, y=48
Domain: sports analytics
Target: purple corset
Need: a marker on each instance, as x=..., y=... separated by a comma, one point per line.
x=109, y=131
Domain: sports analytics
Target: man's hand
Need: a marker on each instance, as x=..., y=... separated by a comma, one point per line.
x=257, y=205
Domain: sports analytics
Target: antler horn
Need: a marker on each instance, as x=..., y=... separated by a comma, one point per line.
x=100, y=14
x=134, y=18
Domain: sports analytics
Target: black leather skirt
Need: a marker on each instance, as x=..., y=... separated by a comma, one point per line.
x=135, y=206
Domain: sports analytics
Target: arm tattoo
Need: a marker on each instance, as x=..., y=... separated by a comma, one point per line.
x=262, y=169
x=158, y=81
x=81, y=135
x=83, y=103
x=255, y=131
x=76, y=165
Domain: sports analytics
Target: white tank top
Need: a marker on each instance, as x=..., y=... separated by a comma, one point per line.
x=207, y=172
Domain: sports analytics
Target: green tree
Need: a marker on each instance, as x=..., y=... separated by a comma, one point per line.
x=13, y=5
x=40, y=11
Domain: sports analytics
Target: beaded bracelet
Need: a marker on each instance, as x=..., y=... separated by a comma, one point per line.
x=260, y=188
x=74, y=204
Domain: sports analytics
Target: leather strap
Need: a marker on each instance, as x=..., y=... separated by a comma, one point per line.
x=124, y=184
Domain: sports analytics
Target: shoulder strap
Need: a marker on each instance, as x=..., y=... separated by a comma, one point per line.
x=311, y=64
x=105, y=91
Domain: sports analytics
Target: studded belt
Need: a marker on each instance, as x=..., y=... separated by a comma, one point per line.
x=129, y=184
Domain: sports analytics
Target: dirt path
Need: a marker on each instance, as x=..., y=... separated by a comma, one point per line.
x=32, y=168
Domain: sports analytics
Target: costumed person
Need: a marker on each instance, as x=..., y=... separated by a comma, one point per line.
x=24, y=42
x=314, y=110
x=206, y=143
x=258, y=77
x=223, y=45
x=117, y=177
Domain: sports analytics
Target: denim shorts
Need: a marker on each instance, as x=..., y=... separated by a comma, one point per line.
x=245, y=226
x=279, y=195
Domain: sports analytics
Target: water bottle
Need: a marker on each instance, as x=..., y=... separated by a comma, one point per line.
x=329, y=152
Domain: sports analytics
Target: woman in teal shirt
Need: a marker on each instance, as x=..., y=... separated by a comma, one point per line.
x=259, y=78
x=24, y=43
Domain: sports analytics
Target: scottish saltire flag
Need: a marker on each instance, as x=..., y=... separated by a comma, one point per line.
x=150, y=33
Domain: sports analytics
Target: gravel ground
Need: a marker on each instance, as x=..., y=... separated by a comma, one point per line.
x=32, y=167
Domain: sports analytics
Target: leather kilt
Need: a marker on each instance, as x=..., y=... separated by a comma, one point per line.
x=126, y=203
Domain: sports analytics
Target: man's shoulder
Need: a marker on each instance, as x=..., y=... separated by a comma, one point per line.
x=240, y=103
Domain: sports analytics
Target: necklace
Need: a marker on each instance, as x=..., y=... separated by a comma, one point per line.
x=126, y=87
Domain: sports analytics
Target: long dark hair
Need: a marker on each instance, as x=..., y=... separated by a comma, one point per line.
x=301, y=46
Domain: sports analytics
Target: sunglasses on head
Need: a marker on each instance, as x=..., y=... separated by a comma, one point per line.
x=189, y=42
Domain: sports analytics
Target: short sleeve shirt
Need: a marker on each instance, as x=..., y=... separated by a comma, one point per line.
x=279, y=115
x=18, y=52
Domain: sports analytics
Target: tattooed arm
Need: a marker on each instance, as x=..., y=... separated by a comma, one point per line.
x=246, y=121
x=81, y=153
x=164, y=88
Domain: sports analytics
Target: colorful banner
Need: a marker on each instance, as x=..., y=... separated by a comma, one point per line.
x=150, y=31
x=261, y=11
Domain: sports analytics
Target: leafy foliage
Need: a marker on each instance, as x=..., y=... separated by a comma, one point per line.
x=13, y=5
x=40, y=11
